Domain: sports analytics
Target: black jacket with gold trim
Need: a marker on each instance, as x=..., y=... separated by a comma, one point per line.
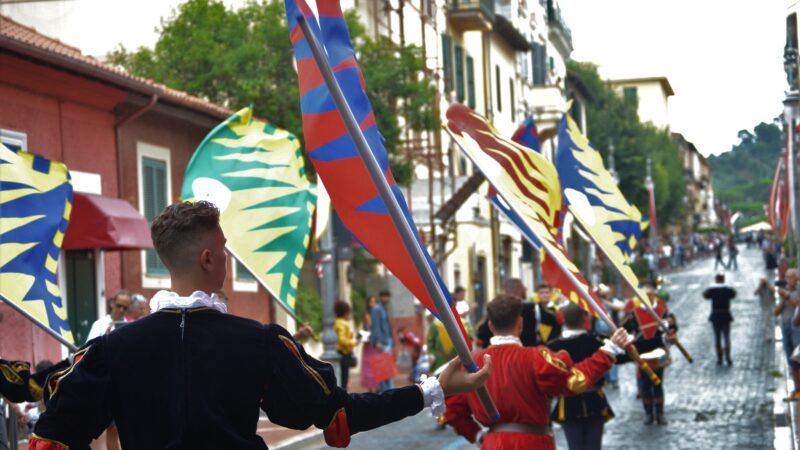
x=196, y=379
x=18, y=384
x=591, y=403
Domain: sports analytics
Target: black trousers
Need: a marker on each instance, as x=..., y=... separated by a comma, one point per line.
x=722, y=331
x=585, y=433
x=652, y=394
x=345, y=363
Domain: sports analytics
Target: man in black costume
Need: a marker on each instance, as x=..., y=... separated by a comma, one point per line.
x=720, y=317
x=190, y=376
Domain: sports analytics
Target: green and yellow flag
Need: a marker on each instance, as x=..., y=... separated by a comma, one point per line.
x=254, y=172
x=35, y=205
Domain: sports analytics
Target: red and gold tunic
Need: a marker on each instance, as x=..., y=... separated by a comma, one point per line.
x=522, y=382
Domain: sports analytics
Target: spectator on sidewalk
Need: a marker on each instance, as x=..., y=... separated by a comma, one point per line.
x=381, y=333
x=718, y=254
x=788, y=300
x=345, y=341
x=367, y=350
x=733, y=251
x=118, y=304
x=139, y=308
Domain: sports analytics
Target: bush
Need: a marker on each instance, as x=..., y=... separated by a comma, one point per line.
x=309, y=307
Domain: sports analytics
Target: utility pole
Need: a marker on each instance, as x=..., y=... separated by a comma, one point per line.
x=651, y=191
x=326, y=259
x=791, y=104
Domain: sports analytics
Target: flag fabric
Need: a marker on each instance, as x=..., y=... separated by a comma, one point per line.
x=778, y=204
x=528, y=186
x=595, y=200
x=332, y=151
x=255, y=174
x=35, y=205
x=528, y=135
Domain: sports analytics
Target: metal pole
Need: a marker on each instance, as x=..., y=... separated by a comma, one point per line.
x=328, y=291
x=398, y=219
x=46, y=329
x=651, y=195
x=790, y=115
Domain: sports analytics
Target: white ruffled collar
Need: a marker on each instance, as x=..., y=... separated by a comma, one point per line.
x=198, y=299
x=505, y=340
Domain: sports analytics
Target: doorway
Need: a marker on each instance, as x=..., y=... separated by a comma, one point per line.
x=81, y=291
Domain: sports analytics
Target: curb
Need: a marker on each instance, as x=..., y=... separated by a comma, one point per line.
x=306, y=440
x=785, y=413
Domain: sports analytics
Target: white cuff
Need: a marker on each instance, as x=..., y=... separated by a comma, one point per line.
x=433, y=396
x=611, y=348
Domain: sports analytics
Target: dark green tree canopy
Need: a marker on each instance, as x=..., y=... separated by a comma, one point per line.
x=613, y=120
x=240, y=57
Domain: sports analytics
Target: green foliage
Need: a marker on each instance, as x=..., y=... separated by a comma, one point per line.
x=309, y=307
x=743, y=176
x=613, y=119
x=358, y=299
x=240, y=57
x=641, y=268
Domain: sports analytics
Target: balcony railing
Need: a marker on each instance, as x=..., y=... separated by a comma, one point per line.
x=508, y=28
x=557, y=23
x=471, y=15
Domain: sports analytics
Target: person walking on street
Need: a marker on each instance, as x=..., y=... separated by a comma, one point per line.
x=380, y=336
x=191, y=376
x=733, y=251
x=720, y=317
x=718, y=254
x=367, y=350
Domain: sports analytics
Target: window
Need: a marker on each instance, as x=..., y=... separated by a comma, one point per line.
x=630, y=94
x=243, y=279
x=459, y=73
x=447, y=64
x=511, y=92
x=577, y=114
x=539, y=63
x=14, y=140
x=470, y=82
x=154, y=195
x=499, y=89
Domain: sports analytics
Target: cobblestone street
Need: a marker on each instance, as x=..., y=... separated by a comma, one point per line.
x=708, y=406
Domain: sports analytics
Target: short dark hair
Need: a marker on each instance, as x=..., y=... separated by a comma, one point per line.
x=574, y=316
x=459, y=289
x=44, y=365
x=719, y=278
x=179, y=226
x=543, y=286
x=384, y=293
x=504, y=310
x=119, y=293
x=511, y=284
x=341, y=308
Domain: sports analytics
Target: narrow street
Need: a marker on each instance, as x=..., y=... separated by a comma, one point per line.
x=708, y=406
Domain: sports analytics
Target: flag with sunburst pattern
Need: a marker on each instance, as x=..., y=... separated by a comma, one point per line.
x=35, y=205
x=254, y=172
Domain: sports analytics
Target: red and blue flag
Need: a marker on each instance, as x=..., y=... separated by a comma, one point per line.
x=333, y=152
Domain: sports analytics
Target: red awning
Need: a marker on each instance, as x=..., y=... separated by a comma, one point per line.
x=107, y=223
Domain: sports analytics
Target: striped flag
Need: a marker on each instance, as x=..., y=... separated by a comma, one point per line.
x=333, y=152
x=528, y=186
x=255, y=174
x=35, y=205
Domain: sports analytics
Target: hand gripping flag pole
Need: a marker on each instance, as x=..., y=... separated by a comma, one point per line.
x=398, y=219
x=525, y=218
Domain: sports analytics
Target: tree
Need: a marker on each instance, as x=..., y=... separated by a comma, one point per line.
x=240, y=57
x=613, y=120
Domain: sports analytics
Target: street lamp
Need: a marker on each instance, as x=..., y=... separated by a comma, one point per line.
x=791, y=111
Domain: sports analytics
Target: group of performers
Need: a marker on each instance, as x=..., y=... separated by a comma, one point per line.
x=190, y=375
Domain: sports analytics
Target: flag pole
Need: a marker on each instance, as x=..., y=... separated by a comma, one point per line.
x=644, y=302
x=398, y=218
x=72, y=348
x=601, y=313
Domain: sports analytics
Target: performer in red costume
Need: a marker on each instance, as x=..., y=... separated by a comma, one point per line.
x=522, y=383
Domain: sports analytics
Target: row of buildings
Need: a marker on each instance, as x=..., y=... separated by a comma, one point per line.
x=127, y=141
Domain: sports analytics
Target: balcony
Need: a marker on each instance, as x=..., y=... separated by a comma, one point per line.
x=559, y=33
x=471, y=15
x=504, y=26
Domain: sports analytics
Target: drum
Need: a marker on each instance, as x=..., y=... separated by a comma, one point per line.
x=657, y=359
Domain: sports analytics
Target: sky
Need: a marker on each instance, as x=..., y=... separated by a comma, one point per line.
x=724, y=59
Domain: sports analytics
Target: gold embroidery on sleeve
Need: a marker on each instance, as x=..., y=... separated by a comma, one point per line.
x=552, y=360
x=10, y=372
x=576, y=381
x=314, y=374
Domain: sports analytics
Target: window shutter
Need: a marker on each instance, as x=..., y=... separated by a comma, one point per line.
x=447, y=66
x=470, y=82
x=154, y=191
x=459, y=73
x=499, y=89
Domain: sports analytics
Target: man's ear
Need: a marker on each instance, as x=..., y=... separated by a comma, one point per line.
x=206, y=262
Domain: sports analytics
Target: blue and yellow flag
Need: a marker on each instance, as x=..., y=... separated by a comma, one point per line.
x=255, y=174
x=35, y=205
x=596, y=202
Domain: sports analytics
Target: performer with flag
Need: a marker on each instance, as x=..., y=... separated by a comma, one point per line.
x=189, y=360
x=651, y=343
x=523, y=381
